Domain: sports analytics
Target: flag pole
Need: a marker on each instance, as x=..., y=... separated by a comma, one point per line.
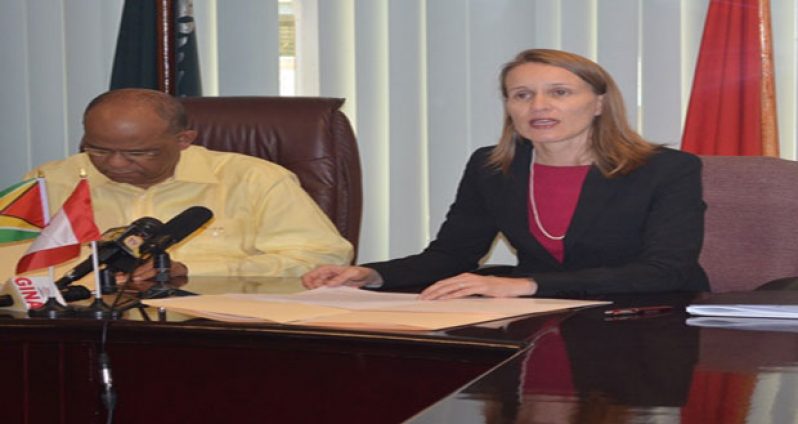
x=95, y=263
x=98, y=309
x=42, y=182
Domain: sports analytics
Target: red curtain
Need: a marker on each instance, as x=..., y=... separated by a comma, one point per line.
x=732, y=107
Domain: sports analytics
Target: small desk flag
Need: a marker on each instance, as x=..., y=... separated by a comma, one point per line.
x=21, y=212
x=60, y=240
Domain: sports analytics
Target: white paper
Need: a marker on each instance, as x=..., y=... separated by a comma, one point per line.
x=337, y=297
x=743, y=310
x=365, y=300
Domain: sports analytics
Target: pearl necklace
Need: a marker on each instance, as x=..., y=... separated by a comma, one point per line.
x=535, y=212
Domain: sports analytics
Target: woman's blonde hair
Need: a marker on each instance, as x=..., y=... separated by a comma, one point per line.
x=616, y=147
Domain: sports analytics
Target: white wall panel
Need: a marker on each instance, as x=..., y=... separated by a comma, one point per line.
x=47, y=80
x=248, y=47
x=578, y=27
x=373, y=125
x=546, y=23
x=694, y=13
x=619, y=48
x=407, y=126
x=337, y=73
x=306, y=15
x=207, y=25
x=15, y=158
x=784, y=15
x=661, y=80
x=449, y=102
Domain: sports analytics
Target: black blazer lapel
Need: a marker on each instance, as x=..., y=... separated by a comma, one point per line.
x=597, y=192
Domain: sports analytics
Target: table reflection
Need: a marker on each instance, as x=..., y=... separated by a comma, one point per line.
x=586, y=369
x=222, y=285
x=744, y=376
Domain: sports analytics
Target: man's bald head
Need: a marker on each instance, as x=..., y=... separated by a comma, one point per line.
x=165, y=106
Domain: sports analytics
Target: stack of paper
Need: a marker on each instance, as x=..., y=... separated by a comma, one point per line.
x=756, y=304
x=745, y=310
x=355, y=308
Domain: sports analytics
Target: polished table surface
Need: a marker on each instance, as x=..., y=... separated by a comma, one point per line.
x=647, y=369
x=576, y=366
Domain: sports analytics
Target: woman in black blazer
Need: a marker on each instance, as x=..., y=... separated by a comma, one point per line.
x=589, y=206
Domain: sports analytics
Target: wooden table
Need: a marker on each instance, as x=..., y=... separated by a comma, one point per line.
x=567, y=367
x=180, y=371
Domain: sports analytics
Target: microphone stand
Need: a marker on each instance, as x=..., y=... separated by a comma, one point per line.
x=162, y=263
x=98, y=308
x=52, y=309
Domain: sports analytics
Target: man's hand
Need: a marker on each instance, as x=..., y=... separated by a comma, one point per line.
x=147, y=271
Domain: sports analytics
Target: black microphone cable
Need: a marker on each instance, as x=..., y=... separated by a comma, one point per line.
x=108, y=393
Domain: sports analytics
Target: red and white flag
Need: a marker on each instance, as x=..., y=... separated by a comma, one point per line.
x=60, y=240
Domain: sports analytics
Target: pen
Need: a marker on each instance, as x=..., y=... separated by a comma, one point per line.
x=638, y=311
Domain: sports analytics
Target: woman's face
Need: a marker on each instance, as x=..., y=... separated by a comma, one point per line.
x=549, y=104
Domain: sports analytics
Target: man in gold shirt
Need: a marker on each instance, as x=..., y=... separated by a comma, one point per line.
x=139, y=161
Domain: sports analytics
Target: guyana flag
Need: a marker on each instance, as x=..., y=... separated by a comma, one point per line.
x=21, y=212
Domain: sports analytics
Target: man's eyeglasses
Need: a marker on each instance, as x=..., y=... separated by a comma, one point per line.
x=131, y=155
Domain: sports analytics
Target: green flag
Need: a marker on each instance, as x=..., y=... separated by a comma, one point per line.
x=21, y=211
x=142, y=61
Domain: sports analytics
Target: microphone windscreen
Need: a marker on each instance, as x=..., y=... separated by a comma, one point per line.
x=182, y=225
x=147, y=226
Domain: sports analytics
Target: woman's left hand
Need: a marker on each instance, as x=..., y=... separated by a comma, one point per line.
x=468, y=284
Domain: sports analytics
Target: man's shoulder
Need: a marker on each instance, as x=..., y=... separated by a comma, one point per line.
x=67, y=169
x=74, y=161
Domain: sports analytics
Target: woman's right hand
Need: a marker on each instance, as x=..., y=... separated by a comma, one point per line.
x=337, y=275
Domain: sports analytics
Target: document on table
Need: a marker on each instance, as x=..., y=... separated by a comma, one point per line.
x=745, y=310
x=356, y=308
x=756, y=304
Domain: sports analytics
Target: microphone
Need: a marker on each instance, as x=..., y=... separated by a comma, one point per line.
x=75, y=293
x=175, y=230
x=119, y=248
x=29, y=293
x=70, y=294
x=127, y=247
